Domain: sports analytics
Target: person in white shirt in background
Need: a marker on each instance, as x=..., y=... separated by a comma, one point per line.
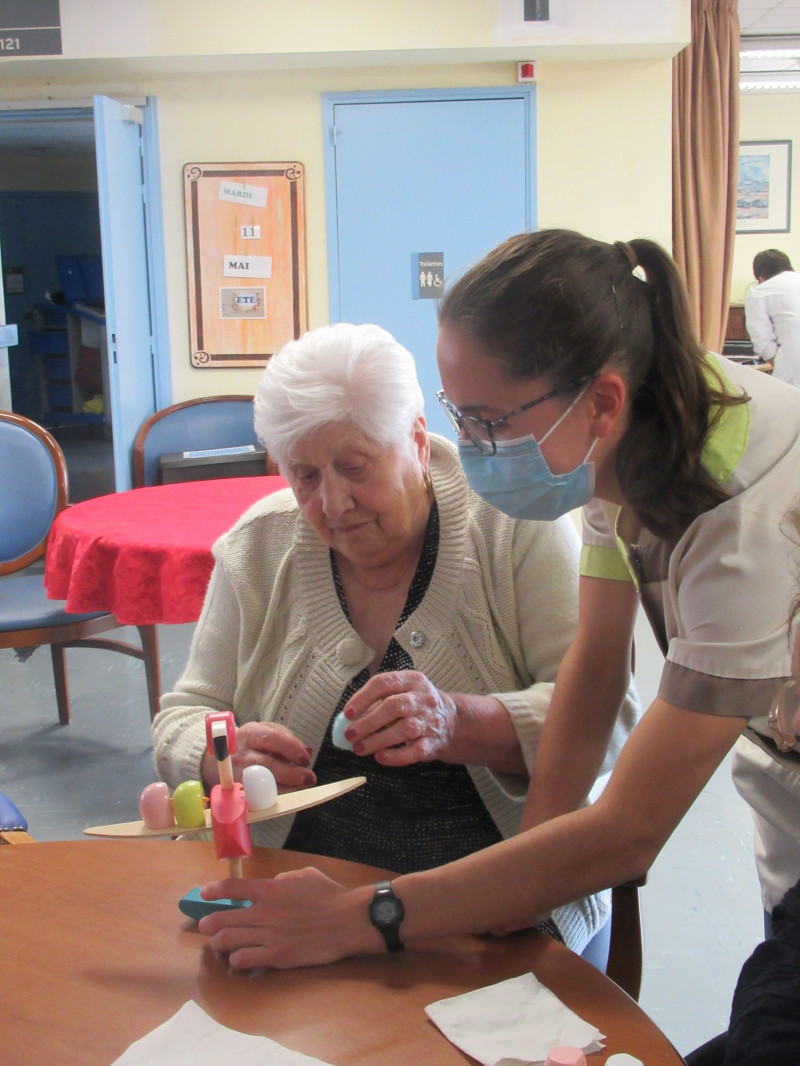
x=772, y=314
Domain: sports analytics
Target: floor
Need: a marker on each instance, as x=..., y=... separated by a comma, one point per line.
x=90, y=460
x=701, y=907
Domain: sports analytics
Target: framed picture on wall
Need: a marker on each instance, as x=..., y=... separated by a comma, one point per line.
x=245, y=240
x=763, y=197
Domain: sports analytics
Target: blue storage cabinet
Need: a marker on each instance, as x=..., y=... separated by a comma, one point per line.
x=65, y=336
x=86, y=331
x=57, y=343
x=49, y=344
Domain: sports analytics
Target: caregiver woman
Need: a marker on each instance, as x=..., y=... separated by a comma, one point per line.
x=686, y=463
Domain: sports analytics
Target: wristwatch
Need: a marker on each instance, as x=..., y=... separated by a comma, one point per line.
x=386, y=912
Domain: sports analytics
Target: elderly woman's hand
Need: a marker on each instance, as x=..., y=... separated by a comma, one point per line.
x=402, y=718
x=272, y=745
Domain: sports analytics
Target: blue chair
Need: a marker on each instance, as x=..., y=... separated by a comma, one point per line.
x=209, y=422
x=13, y=827
x=33, y=490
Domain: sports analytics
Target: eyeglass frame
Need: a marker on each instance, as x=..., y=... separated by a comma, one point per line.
x=784, y=739
x=461, y=422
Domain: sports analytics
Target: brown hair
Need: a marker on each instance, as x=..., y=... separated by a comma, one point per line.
x=560, y=306
x=769, y=263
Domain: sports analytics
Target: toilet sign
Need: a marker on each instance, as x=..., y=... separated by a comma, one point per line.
x=428, y=282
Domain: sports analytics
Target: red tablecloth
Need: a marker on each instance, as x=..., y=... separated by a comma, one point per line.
x=145, y=554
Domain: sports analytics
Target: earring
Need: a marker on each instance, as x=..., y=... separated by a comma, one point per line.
x=427, y=484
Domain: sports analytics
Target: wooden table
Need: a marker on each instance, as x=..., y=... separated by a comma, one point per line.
x=145, y=555
x=96, y=955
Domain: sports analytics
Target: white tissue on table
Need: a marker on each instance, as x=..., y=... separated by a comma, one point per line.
x=192, y=1038
x=513, y=1023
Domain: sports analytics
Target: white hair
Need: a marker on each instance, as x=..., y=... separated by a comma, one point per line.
x=340, y=373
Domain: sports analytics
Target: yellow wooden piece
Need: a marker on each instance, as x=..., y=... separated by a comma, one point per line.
x=188, y=804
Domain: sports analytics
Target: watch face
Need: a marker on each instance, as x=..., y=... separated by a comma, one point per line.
x=384, y=911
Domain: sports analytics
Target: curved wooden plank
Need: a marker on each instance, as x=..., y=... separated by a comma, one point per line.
x=290, y=803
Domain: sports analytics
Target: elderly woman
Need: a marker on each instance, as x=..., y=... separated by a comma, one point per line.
x=382, y=585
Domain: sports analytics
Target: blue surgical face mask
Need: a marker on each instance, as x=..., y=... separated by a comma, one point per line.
x=517, y=480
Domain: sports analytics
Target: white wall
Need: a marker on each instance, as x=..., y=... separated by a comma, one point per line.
x=279, y=34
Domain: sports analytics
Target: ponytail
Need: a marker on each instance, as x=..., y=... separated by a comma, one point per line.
x=672, y=412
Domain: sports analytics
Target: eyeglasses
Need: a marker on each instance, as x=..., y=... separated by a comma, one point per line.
x=481, y=430
x=781, y=715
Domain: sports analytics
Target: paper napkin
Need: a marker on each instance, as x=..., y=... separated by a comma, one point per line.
x=192, y=1038
x=513, y=1023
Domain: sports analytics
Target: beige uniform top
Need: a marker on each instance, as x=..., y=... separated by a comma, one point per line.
x=719, y=598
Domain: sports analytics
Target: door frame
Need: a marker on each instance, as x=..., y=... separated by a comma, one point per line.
x=526, y=93
x=154, y=223
x=156, y=254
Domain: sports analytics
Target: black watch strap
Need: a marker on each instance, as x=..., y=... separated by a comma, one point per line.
x=386, y=912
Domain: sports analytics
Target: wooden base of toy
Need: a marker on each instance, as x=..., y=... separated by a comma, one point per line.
x=290, y=803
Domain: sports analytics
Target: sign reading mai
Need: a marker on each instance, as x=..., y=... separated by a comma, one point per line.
x=247, y=266
x=239, y=192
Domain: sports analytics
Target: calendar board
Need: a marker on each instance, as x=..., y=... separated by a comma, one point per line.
x=246, y=258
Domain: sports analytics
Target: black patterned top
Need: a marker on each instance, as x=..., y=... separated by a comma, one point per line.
x=404, y=818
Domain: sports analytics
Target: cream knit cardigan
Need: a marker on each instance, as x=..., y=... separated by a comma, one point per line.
x=273, y=644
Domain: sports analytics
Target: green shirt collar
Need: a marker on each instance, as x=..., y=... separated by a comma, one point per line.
x=726, y=443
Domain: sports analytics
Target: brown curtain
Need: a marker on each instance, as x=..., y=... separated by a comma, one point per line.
x=705, y=149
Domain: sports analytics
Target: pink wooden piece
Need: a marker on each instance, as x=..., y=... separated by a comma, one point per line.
x=155, y=806
x=229, y=819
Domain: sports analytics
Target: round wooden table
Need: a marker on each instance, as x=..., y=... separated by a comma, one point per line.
x=96, y=955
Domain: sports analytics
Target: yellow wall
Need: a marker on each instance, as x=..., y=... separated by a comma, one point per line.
x=605, y=148
x=604, y=125
x=590, y=175
x=768, y=117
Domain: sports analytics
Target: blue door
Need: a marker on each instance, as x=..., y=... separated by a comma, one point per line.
x=439, y=174
x=118, y=133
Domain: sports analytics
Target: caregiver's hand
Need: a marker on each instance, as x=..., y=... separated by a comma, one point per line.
x=401, y=718
x=299, y=918
x=272, y=745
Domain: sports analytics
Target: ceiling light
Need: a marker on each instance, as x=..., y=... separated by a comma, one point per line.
x=770, y=53
x=785, y=86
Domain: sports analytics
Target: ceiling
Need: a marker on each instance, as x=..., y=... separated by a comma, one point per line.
x=26, y=133
x=769, y=59
x=768, y=17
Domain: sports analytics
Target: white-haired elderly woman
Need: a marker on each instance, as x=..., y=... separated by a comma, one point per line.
x=380, y=584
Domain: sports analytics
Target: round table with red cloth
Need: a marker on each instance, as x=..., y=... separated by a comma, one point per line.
x=145, y=555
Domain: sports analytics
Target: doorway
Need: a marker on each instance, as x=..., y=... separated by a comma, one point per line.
x=421, y=183
x=49, y=224
x=83, y=278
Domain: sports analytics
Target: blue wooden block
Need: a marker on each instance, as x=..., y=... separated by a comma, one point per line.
x=195, y=907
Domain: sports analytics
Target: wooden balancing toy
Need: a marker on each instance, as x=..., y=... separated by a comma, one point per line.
x=229, y=811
